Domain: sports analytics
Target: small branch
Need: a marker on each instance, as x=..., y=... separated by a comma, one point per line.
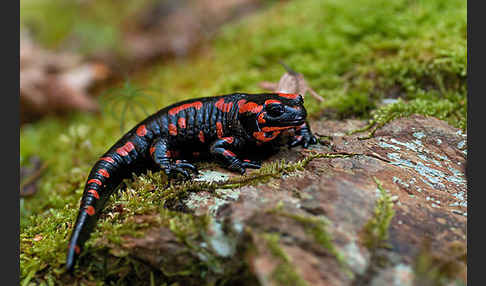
x=376, y=156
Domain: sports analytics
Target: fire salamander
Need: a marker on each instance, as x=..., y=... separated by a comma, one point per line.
x=220, y=127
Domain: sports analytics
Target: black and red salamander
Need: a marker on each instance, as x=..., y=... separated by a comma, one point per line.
x=221, y=127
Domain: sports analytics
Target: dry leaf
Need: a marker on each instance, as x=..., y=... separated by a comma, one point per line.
x=54, y=83
x=291, y=82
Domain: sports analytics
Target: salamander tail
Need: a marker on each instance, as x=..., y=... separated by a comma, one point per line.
x=101, y=182
x=81, y=232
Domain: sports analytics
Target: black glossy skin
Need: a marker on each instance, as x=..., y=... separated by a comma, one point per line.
x=221, y=127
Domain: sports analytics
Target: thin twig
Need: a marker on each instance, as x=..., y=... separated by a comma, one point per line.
x=31, y=179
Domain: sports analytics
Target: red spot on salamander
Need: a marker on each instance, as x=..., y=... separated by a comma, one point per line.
x=229, y=153
x=108, y=159
x=219, y=129
x=252, y=107
x=260, y=136
x=276, y=128
x=125, y=149
x=172, y=129
x=104, y=173
x=175, y=110
x=90, y=210
x=228, y=139
x=201, y=136
x=152, y=150
x=261, y=117
x=77, y=249
x=289, y=95
x=96, y=181
x=141, y=130
x=270, y=101
x=168, y=154
x=95, y=193
x=181, y=122
x=240, y=103
x=221, y=105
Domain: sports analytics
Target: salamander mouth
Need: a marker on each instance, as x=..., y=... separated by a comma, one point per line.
x=298, y=122
x=291, y=123
x=281, y=126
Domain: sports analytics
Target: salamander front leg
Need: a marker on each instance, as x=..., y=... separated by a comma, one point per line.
x=221, y=151
x=303, y=136
x=163, y=157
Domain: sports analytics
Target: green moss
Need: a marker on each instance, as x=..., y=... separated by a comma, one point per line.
x=399, y=49
x=93, y=26
x=284, y=273
x=263, y=175
x=446, y=268
x=145, y=195
x=376, y=230
x=316, y=227
x=351, y=60
x=118, y=102
x=142, y=197
x=454, y=114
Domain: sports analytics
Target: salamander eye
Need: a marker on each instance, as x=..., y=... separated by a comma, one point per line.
x=275, y=110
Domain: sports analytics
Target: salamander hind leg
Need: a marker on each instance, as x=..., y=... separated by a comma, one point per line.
x=167, y=161
x=221, y=151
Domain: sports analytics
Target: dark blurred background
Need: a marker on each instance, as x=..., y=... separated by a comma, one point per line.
x=70, y=47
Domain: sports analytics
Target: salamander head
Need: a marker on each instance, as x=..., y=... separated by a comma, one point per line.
x=272, y=112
